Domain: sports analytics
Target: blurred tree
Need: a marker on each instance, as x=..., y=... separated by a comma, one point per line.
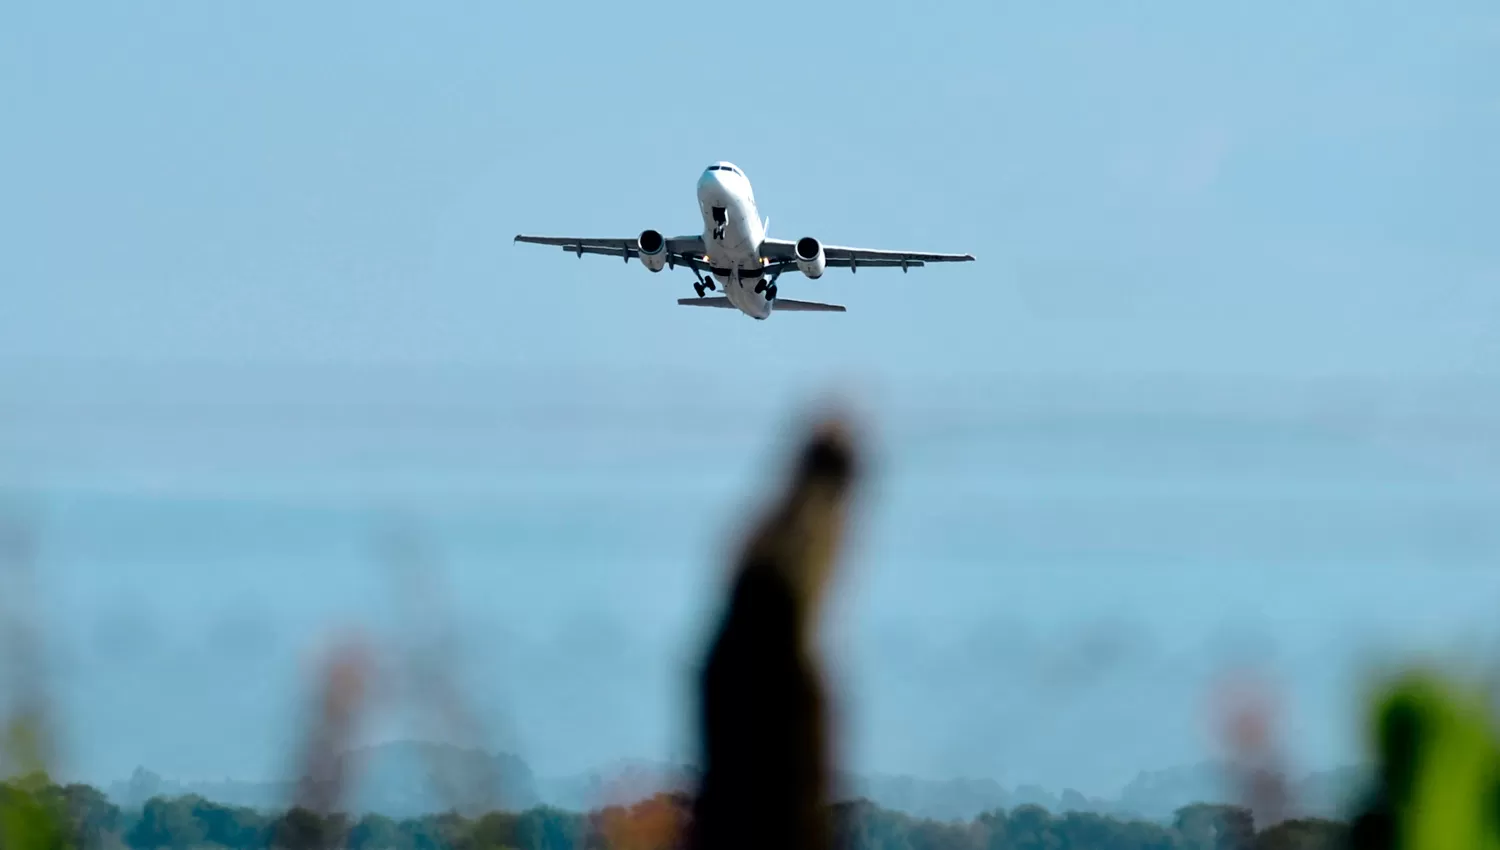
x=29, y=820
x=377, y=832
x=1303, y=834
x=1208, y=826
x=546, y=828
x=494, y=831
x=167, y=823
x=229, y=826
x=88, y=816
x=1030, y=828
x=304, y=829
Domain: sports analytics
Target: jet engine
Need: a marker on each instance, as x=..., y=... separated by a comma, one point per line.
x=810, y=259
x=653, y=250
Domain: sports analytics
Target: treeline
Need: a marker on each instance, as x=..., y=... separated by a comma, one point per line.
x=88, y=820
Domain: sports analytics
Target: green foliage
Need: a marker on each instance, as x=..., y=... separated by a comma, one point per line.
x=29, y=805
x=29, y=819
x=1438, y=768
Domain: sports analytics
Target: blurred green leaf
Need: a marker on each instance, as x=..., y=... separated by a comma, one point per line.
x=21, y=755
x=28, y=821
x=29, y=816
x=1438, y=763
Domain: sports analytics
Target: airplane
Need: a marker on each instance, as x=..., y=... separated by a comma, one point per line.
x=737, y=254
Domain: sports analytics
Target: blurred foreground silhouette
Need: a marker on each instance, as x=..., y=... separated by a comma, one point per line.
x=764, y=726
x=764, y=731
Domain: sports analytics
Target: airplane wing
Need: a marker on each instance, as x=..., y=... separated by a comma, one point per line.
x=681, y=250
x=784, y=253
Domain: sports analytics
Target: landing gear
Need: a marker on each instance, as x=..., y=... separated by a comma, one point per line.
x=721, y=219
x=703, y=283
x=768, y=286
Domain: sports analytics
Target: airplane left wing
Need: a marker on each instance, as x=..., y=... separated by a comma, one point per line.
x=681, y=250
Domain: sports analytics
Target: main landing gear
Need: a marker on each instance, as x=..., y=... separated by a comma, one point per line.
x=703, y=283
x=768, y=287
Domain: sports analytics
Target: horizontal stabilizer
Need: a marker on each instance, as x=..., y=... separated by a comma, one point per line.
x=784, y=305
x=717, y=301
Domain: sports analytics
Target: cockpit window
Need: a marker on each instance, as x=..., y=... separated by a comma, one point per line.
x=731, y=169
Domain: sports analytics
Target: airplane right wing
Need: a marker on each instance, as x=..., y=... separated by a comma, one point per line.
x=681, y=250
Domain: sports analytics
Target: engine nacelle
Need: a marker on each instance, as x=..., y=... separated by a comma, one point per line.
x=810, y=259
x=653, y=248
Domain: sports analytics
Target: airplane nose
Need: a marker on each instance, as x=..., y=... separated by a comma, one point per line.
x=711, y=185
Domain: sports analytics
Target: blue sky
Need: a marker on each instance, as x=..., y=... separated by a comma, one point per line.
x=1182, y=215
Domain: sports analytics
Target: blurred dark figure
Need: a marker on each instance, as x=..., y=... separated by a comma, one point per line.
x=763, y=716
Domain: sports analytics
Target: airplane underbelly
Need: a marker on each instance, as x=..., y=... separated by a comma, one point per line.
x=749, y=302
x=737, y=239
x=748, y=277
x=735, y=252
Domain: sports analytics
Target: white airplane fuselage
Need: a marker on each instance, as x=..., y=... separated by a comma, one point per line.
x=732, y=236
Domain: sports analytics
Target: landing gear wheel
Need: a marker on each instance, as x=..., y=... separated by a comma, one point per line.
x=760, y=287
x=771, y=292
x=698, y=287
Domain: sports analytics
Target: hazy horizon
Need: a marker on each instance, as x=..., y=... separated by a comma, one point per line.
x=1044, y=562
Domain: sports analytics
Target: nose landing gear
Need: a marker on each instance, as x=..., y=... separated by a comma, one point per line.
x=721, y=219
